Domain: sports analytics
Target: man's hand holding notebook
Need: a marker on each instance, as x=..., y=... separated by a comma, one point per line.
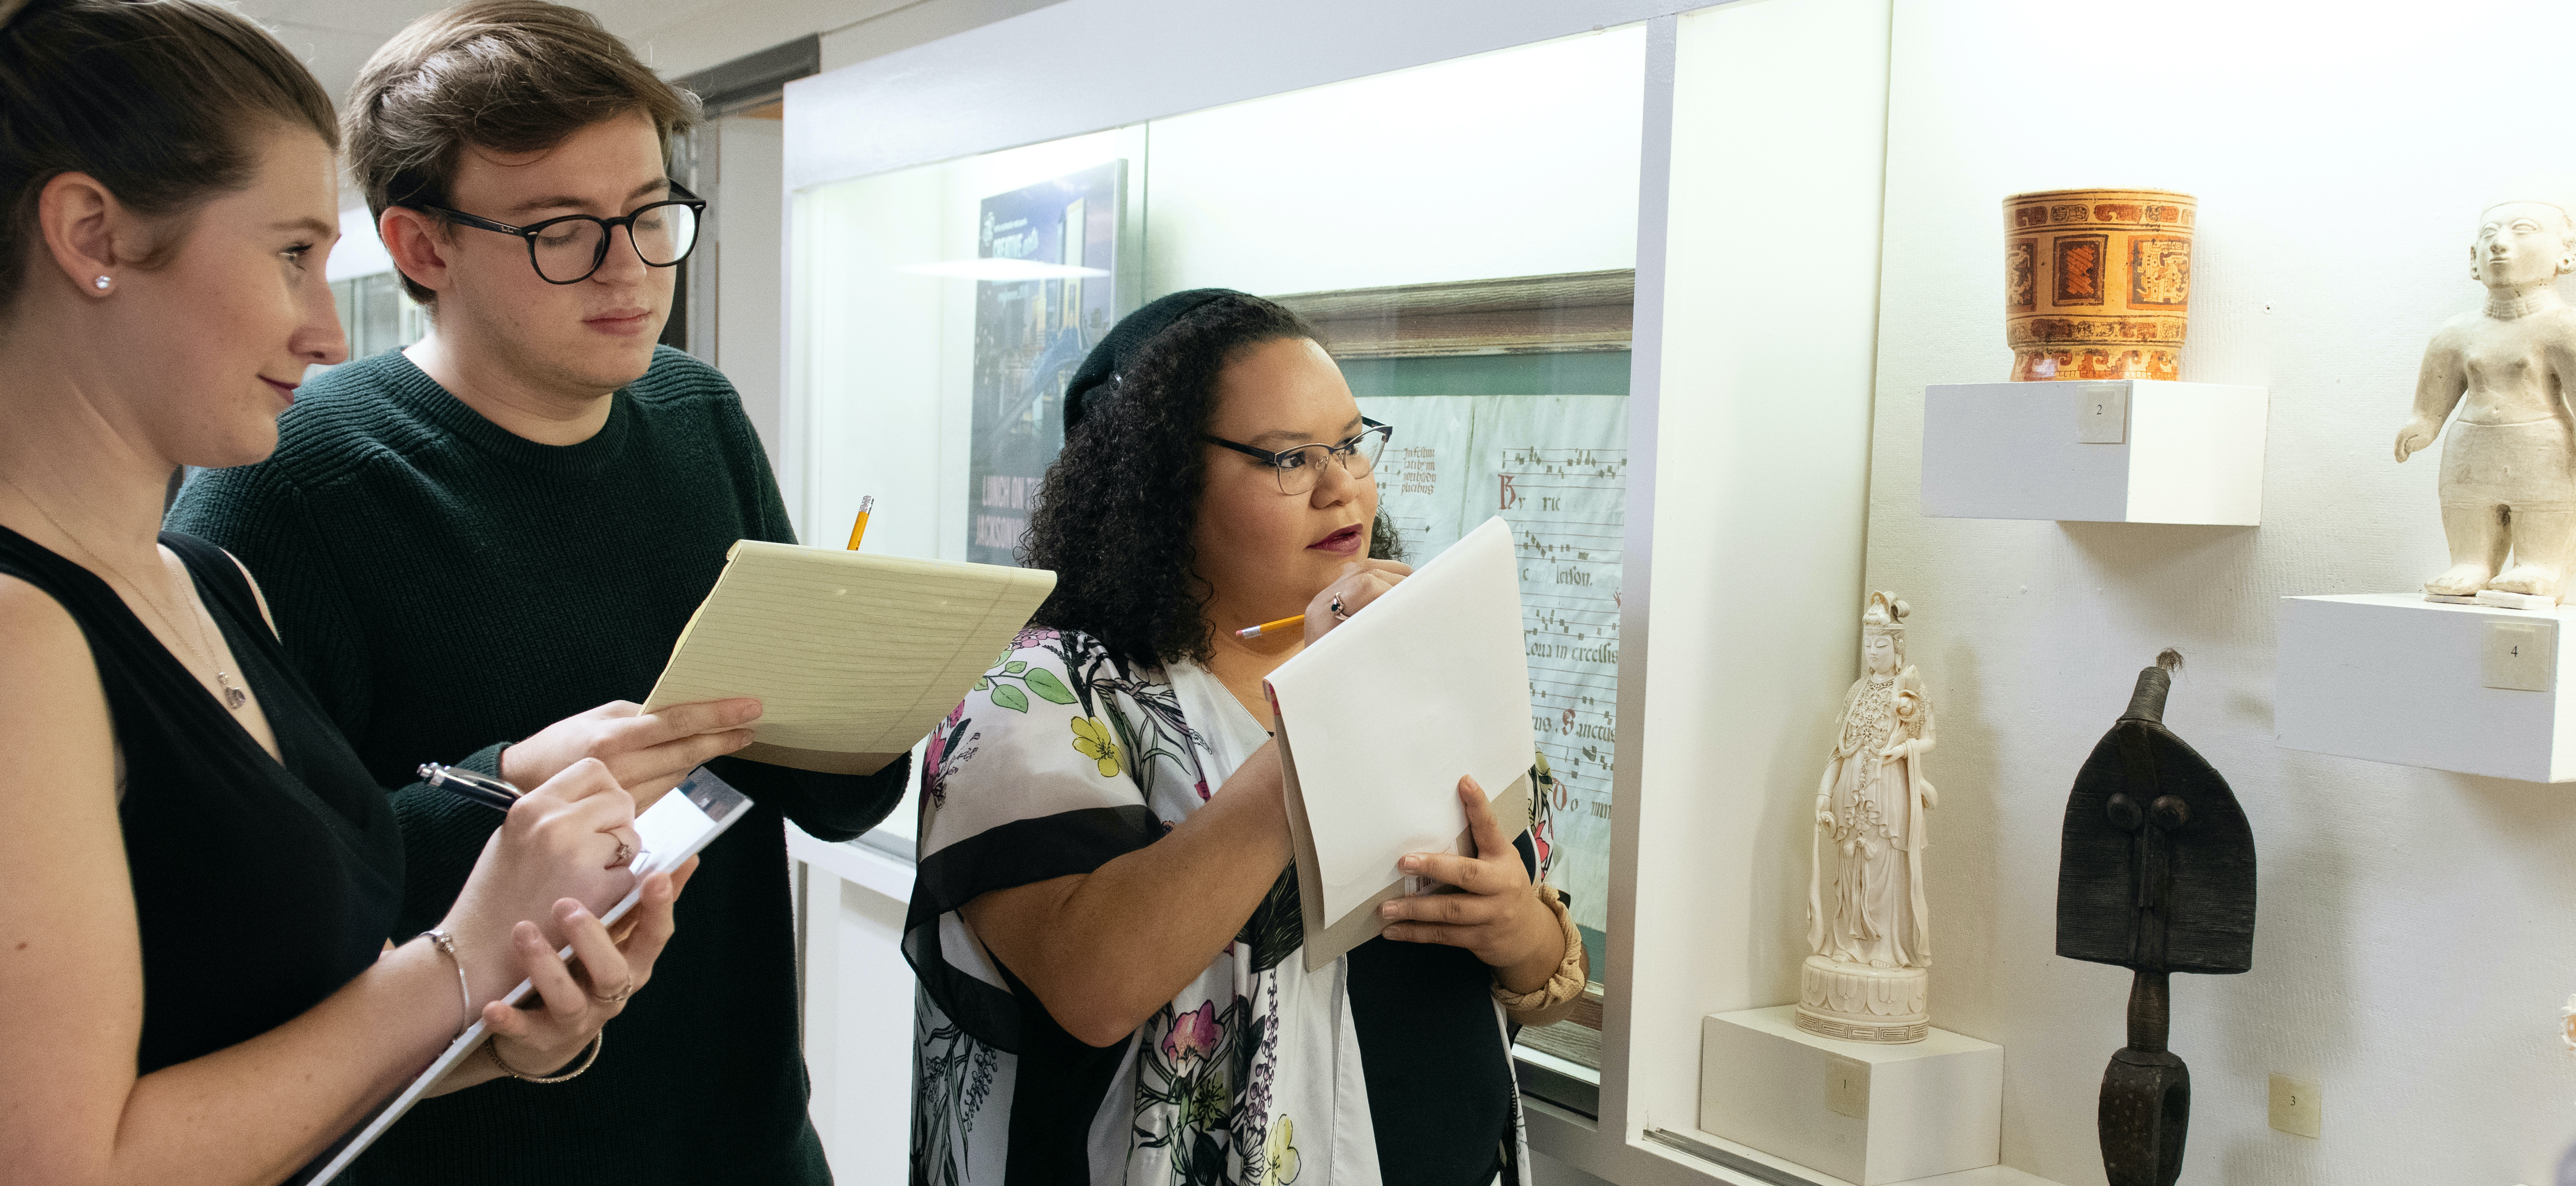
x=853, y=656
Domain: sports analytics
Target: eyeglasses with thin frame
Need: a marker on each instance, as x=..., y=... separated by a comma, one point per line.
x=571, y=249
x=1301, y=467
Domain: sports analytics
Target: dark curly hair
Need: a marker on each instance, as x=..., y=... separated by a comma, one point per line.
x=1114, y=513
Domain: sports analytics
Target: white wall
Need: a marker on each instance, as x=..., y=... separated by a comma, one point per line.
x=2409, y=952
x=858, y=1029
x=704, y=35
x=749, y=320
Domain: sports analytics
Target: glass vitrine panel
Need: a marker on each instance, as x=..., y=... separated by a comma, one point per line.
x=1463, y=237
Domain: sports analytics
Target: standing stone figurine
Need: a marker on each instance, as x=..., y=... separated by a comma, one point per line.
x=1867, y=925
x=2508, y=478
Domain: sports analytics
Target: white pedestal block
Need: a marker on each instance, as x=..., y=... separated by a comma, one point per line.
x=2127, y=451
x=2393, y=678
x=1865, y=1113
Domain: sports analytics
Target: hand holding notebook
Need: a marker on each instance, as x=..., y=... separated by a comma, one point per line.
x=853, y=657
x=1388, y=711
x=677, y=827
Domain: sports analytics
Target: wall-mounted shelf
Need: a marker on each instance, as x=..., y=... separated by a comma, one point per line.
x=2123, y=451
x=2391, y=677
x=1865, y=1113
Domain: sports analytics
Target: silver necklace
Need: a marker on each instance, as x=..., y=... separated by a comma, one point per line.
x=234, y=695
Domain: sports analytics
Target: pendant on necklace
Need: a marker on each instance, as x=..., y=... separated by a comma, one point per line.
x=234, y=697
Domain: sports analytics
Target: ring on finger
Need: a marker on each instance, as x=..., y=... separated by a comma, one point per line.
x=1339, y=614
x=618, y=997
x=625, y=853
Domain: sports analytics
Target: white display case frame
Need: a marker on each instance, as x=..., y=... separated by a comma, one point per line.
x=1745, y=669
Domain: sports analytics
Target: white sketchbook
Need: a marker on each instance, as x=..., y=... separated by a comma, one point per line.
x=1427, y=683
x=687, y=818
x=853, y=656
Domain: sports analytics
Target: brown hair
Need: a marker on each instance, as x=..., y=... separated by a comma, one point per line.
x=162, y=101
x=503, y=75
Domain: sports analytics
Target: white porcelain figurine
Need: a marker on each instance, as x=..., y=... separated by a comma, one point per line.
x=1868, y=928
x=2508, y=478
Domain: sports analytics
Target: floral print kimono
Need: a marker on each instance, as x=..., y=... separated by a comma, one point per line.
x=1063, y=758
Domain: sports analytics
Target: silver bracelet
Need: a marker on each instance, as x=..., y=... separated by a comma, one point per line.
x=447, y=943
x=597, y=1040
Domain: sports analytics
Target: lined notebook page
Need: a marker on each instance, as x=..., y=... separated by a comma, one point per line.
x=848, y=652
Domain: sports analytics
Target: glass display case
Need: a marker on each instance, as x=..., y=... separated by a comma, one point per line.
x=1471, y=266
x=1546, y=246
x=1664, y=283
x=377, y=315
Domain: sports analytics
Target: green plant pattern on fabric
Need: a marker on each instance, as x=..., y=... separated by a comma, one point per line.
x=1041, y=683
x=1277, y=927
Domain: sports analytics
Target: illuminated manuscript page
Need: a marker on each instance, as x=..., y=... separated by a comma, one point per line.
x=1555, y=467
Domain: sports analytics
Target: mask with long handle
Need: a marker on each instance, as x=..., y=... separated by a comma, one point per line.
x=2155, y=874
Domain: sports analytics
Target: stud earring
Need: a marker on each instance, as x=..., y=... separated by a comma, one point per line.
x=101, y=283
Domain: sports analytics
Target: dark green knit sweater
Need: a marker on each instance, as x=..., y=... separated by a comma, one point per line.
x=446, y=588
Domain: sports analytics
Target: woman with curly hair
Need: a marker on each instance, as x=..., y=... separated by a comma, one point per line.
x=1106, y=925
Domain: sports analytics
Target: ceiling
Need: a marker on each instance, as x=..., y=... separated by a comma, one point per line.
x=335, y=37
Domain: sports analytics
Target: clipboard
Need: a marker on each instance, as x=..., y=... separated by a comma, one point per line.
x=686, y=819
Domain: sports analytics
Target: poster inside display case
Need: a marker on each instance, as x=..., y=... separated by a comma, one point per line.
x=1509, y=397
x=1047, y=294
x=1555, y=467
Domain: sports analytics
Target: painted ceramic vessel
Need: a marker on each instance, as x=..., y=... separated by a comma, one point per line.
x=2097, y=283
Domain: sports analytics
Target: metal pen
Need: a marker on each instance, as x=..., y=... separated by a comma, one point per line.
x=481, y=788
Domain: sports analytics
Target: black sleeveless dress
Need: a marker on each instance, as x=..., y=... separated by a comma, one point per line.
x=260, y=886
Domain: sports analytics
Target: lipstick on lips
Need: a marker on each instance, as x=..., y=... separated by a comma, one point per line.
x=1344, y=541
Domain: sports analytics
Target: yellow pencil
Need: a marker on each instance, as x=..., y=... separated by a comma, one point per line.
x=1267, y=627
x=867, y=503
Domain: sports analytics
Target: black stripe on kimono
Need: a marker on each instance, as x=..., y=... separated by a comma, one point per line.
x=1022, y=852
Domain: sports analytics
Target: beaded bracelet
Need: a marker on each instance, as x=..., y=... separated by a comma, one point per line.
x=1567, y=983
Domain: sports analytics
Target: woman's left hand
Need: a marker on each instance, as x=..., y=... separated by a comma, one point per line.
x=1499, y=917
x=572, y=1001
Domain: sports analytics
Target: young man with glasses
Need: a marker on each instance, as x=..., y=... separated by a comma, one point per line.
x=480, y=550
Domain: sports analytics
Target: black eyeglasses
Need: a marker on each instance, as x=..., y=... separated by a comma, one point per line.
x=570, y=249
x=1301, y=467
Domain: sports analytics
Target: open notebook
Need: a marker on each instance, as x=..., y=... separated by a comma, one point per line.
x=1429, y=682
x=854, y=657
